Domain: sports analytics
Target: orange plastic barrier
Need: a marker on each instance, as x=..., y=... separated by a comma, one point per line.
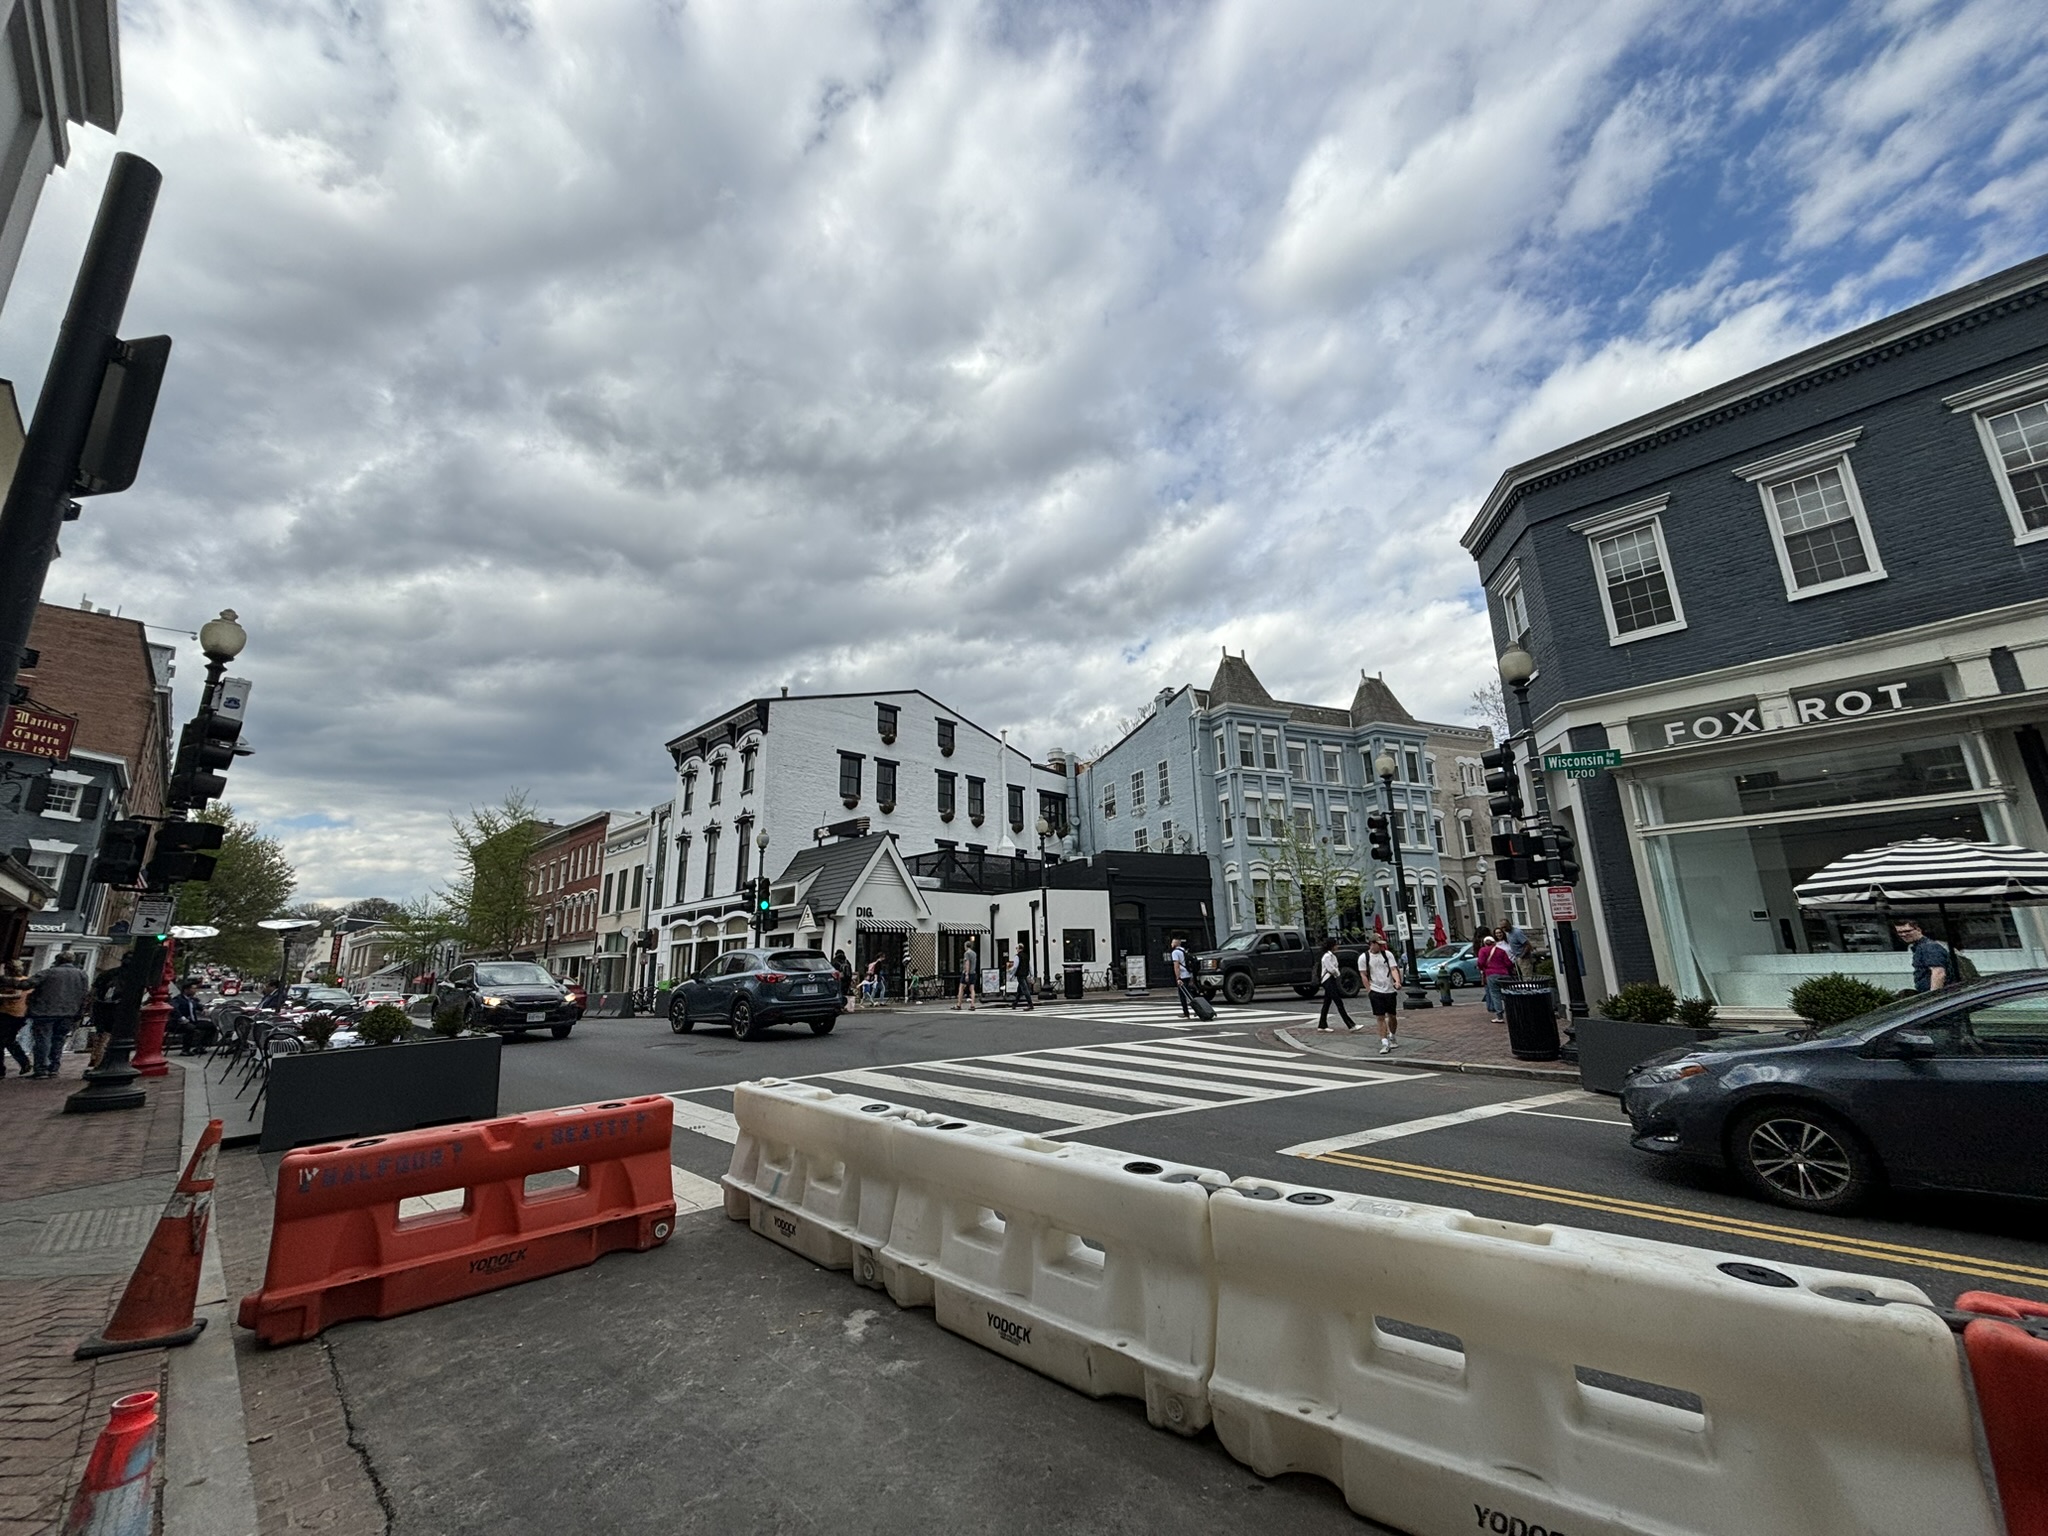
x=2010, y=1368
x=339, y=1250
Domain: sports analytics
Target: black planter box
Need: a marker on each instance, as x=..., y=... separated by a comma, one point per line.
x=371, y=1090
x=1609, y=1049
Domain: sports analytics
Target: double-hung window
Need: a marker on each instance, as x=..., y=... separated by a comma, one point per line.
x=885, y=783
x=1138, y=793
x=689, y=791
x=1340, y=827
x=1251, y=818
x=1166, y=836
x=1165, y=788
x=1229, y=822
x=1139, y=841
x=2012, y=423
x=1109, y=801
x=948, y=794
x=977, y=799
x=1632, y=569
x=1269, y=750
x=1222, y=753
x=717, y=779
x=1816, y=519
x=1297, y=761
x=1333, y=766
x=710, y=862
x=747, y=756
x=945, y=738
x=1513, y=607
x=1016, y=807
x=1247, y=749
x=849, y=776
x=1305, y=823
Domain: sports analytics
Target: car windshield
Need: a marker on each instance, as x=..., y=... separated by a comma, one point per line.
x=329, y=995
x=799, y=960
x=1877, y=1016
x=1441, y=952
x=1238, y=942
x=513, y=974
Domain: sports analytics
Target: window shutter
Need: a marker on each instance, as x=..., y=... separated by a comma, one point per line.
x=74, y=883
x=38, y=795
x=89, y=803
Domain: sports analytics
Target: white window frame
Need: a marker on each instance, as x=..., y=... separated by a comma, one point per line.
x=2013, y=392
x=1269, y=752
x=1340, y=826
x=1247, y=747
x=1254, y=819
x=1627, y=520
x=1222, y=753
x=1139, y=841
x=1166, y=835
x=1513, y=600
x=1165, y=785
x=1333, y=765
x=1292, y=748
x=1792, y=464
x=1471, y=841
x=1229, y=820
x=76, y=790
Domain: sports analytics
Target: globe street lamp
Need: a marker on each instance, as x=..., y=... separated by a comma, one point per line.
x=754, y=899
x=1385, y=766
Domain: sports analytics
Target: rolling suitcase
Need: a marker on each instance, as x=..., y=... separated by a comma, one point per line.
x=1204, y=1009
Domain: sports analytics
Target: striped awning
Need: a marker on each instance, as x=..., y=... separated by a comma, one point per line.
x=1929, y=869
x=963, y=927
x=884, y=925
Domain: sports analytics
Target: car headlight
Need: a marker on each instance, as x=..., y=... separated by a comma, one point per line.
x=494, y=1002
x=1212, y=965
x=1670, y=1072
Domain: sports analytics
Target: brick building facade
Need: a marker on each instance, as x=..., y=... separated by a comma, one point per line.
x=564, y=877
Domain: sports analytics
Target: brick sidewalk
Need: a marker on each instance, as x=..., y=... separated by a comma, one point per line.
x=73, y=1218
x=1456, y=1039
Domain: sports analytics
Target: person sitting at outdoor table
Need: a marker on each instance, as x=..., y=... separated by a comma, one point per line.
x=190, y=1019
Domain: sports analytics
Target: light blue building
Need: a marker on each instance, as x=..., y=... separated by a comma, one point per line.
x=1276, y=795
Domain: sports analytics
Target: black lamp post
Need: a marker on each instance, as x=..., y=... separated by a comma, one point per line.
x=1045, y=830
x=1517, y=666
x=1384, y=766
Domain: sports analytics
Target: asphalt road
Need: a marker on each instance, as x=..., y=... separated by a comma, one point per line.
x=722, y=1383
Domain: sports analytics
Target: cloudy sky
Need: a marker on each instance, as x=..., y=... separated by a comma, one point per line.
x=549, y=376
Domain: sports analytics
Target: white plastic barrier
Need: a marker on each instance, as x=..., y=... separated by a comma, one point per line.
x=1434, y=1365
x=1092, y=1267
x=810, y=1169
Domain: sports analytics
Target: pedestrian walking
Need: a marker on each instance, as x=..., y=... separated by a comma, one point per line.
x=875, y=985
x=13, y=1017
x=1516, y=938
x=843, y=969
x=970, y=980
x=1495, y=966
x=1330, y=972
x=55, y=1004
x=1183, y=975
x=1933, y=966
x=1021, y=978
x=1381, y=974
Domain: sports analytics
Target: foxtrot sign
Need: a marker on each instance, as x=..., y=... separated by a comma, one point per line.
x=1822, y=705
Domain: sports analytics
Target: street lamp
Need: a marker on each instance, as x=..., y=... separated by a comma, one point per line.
x=753, y=900
x=1385, y=766
x=1517, y=666
x=1045, y=830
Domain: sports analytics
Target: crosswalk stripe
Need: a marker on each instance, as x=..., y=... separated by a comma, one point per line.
x=1251, y=1056
x=1040, y=1080
x=704, y=1120
x=1083, y=1067
x=1227, y=1070
x=981, y=1098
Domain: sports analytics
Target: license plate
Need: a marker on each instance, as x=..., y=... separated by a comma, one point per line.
x=536, y=1018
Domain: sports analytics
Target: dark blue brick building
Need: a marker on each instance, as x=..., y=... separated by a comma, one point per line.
x=1810, y=606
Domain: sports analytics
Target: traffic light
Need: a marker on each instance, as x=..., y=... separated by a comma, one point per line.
x=764, y=908
x=123, y=847
x=1514, y=858
x=1560, y=858
x=1502, y=782
x=1379, y=836
x=184, y=851
x=207, y=748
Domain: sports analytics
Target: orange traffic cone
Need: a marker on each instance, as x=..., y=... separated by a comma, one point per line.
x=115, y=1497
x=156, y=1309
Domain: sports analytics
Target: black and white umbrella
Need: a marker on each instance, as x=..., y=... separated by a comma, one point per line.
x=1932, y=871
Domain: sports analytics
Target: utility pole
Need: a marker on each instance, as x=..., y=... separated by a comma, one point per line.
x=90, y=367
x=1516, y=668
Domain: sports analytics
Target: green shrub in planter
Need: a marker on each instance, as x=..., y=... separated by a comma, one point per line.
x=383, y=1025
x=1641, y=1002
x=316, y=1029
x=1834, y=997
x=448, y=1022
x=1696, y=1012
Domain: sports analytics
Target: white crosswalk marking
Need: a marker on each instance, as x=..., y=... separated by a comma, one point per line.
x=1082, y=1087
x=1164, y=1015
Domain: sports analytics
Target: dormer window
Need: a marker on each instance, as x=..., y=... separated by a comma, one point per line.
x=885, y=721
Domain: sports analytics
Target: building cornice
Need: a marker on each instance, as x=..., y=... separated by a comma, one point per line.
x=1938, y=319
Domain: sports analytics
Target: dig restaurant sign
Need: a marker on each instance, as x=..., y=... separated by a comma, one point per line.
x=37, y=732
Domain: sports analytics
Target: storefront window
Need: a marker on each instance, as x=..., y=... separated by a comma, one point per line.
x=1809, y=781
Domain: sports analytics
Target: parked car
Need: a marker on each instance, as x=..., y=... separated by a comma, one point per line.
x=749, y=989
x=1269, y=957
x=230, y=986
x=383, y=999
x=318, y=999
x=1941, y=1090
x=509, y=996
x=1456, y=959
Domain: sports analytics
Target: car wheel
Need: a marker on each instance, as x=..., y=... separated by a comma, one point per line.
x=1457, y=980
x=1237, y=986
x=1347, y=981
x=679, y=1018
x=1304, y=991
x=822, y=1026
x=743, y=1026
x=1801, y=1157
x=560, y=1031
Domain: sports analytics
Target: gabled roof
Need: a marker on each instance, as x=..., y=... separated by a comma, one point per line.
x=838, y=868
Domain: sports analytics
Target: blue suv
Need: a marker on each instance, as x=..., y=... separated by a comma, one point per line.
x=747, y=990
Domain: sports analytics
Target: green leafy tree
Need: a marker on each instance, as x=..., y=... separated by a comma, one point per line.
x=417, y=929
x=1321, y=872
x=252, y=880
x=489, y=898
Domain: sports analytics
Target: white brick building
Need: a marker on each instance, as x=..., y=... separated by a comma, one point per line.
x=790, y=767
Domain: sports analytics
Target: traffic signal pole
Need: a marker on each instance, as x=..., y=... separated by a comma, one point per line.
x=1567, y=937
x=45, y=478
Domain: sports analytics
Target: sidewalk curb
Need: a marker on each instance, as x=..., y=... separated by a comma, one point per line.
x=1276, y=1034
x=208, y=1489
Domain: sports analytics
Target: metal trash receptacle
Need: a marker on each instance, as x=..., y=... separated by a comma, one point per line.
x=1073, y=980
x=1532, y=1020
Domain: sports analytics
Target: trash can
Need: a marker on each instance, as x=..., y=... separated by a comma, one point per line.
x=1073, y=988
x=1532, y=1020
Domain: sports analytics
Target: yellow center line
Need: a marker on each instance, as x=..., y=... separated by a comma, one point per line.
x=1730, y=1226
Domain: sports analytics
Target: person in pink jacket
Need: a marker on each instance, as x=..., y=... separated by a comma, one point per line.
x=1495, y=966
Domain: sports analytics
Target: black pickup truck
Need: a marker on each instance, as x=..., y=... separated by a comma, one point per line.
x=1270, y=957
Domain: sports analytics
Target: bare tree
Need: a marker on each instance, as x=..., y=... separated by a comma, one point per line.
x=1490, y=707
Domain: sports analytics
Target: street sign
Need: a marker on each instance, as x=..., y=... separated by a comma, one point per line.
x=1582, y=765
x=37, y=732
x=152, y=915
x=1564, y=904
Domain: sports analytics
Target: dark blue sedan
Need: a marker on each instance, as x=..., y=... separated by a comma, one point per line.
x=747, y=990
x=1940, y=1091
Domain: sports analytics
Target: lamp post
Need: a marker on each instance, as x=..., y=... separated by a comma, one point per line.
x=1384, y=765
x=760, y=917
x=1517, y=666
x=284, y=928
x=1045, y=830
